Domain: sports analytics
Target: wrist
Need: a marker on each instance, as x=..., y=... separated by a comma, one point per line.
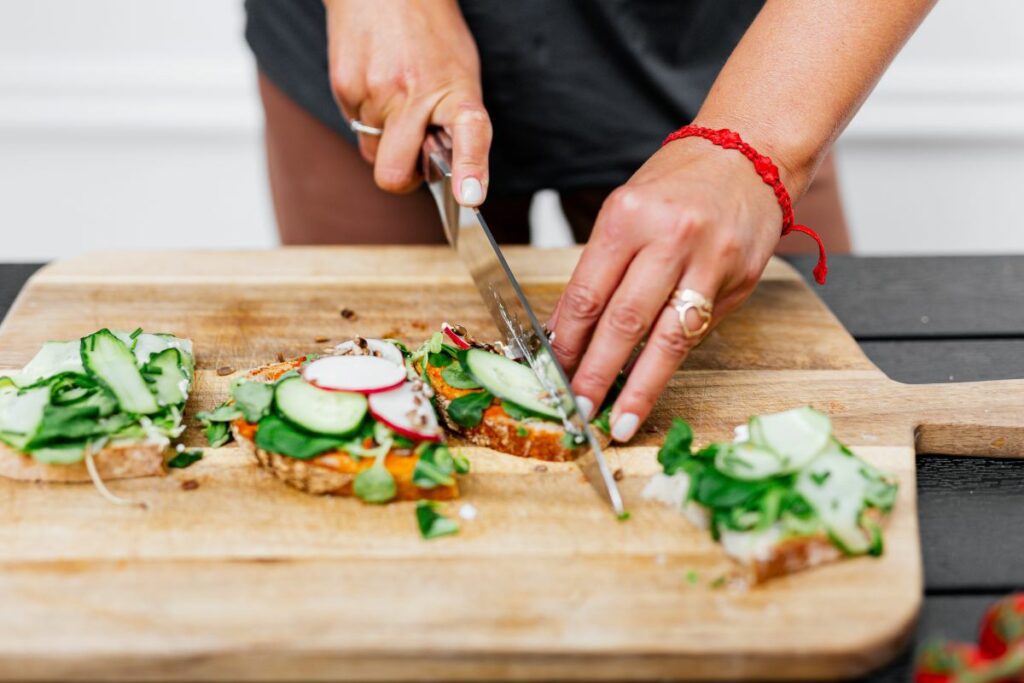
x=794, y=152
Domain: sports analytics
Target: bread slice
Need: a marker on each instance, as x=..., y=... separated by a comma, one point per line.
x=756, y=556
x=117, y=461
x=332, y=473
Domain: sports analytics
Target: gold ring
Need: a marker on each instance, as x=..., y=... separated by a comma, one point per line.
x=686, y=300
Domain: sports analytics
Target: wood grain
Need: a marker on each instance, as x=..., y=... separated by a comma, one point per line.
x=245, y=578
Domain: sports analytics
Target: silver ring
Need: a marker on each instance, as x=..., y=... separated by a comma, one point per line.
x=686, y=300
x=359, y=127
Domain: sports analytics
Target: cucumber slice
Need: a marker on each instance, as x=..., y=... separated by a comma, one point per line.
x=170, y=383
x=53, y=358
x=334, y=413
x=21, y=415
x=65, y=454
x=747, y=462
x=106, y=358
x=509, y=381
x=796, y=436
x=836, y=488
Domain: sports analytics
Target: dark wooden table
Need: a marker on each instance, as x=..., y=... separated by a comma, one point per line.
x=923, y=320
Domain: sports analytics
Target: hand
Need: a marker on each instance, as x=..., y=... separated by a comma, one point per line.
x=694, y=216
x=403, y=67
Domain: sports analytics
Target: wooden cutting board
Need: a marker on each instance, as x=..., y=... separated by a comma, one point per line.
x=244, y=578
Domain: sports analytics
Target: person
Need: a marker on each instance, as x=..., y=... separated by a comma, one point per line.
x=577, y=95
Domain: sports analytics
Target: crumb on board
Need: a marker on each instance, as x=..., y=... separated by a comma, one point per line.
x=348, y=314
x=225, y=370
x=468, y=511
x=280, y=357
x=189, y=485
x=322, y=340
x=540, y=468
x=617, y=475
x=420, y=325
x=393, y=333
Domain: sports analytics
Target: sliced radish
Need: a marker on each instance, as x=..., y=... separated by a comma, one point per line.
x=407, y=412
x=362, y=374
x=376, y=347
x=454, y=336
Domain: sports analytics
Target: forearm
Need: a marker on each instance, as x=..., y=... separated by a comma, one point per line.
x=801, y=72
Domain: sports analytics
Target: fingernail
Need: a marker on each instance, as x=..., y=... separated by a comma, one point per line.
x=625, y=426
x=586, y=407
x=472, y=192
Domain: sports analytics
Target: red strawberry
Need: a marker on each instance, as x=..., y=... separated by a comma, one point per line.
x=1002, y=626
x=941, y=662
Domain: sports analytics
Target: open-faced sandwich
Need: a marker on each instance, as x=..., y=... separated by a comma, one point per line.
x=785, y=496
x=493, y=400
x=101, y=407
x=349, y=424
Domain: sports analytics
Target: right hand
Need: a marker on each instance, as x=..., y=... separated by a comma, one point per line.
x=403, y=67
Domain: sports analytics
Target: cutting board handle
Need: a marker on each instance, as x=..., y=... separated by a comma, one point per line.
x=981, y=419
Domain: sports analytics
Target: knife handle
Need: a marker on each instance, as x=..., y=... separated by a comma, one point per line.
x=437, y=155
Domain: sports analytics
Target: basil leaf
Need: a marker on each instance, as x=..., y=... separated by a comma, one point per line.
x=434, y=467
x=432, y=523
x=277, y=435
x=676, y=449
x=253, y=399
x=218, y=434
x=375, y=485
x=185, y=459
x=439, y=360
x=468, y=411
x=457, y=377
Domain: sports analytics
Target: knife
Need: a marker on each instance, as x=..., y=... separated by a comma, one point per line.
x=522, y=334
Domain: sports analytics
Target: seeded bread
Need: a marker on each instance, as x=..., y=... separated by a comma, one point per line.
x=332, y=473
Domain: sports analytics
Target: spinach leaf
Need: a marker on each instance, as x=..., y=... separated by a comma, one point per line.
x=514, y=411
x=715, y=490
x=676, y=449
x=185, y=459
x=434, y=467
x=280, y=436
x=439, y=360
x=468, y=411
x=218, y=434
x=431, y=522
x=253, y=399
x=457, y=377
x=216, y=421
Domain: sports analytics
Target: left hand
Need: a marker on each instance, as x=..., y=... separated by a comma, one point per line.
x=694, y=216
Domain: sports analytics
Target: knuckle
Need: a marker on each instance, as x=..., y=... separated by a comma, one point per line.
x=568, y=354
x=751, y=277
x=392, y=179
x=590, y=382
x=626, y=320
x=729, y=247
x=581, y=302
x=688, y=226
x=472, y=114
x=672, y=343
x=640, y=397
x=343, y=82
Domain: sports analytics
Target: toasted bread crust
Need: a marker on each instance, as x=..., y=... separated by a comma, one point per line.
x=334, y=472
x=500, y=431
x=794, y=555
x=119, y=461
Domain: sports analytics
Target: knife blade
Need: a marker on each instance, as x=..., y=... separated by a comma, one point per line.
x=521, y=332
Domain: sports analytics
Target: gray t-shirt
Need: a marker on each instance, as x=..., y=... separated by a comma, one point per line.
x=580, y=92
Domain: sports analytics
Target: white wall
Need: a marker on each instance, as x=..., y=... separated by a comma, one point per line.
x=134, y=123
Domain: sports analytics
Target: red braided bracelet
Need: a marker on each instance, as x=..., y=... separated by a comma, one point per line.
x=769, y=173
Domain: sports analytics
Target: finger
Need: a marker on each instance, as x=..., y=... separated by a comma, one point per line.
x=664, y=352
x=611, y=248
x=398, y=151
x=633, y=308
x=466, y=121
